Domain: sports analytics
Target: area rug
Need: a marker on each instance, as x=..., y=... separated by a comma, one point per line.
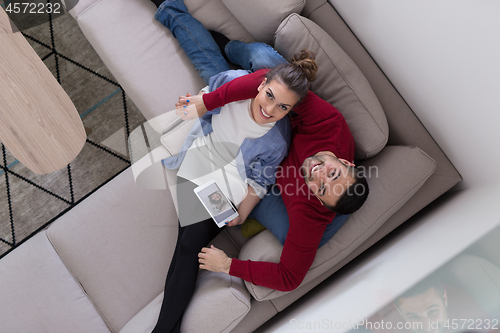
x=30, y=202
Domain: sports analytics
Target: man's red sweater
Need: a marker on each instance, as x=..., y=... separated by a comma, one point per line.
x=317, y=127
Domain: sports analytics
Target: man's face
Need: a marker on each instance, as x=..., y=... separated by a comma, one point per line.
x=427, y=312
x=327, y=176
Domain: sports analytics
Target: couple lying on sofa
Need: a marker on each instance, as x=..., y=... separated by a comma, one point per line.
x=315, y=183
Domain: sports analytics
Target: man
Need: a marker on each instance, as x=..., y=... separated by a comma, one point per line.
x=430, y=307
x=425, y=306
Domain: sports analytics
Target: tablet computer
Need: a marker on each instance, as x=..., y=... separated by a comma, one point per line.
x=216, y=203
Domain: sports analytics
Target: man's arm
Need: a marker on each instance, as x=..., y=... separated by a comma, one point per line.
x=298, y=254
x=296, y=259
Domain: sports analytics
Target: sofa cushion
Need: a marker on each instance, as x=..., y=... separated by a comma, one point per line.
x=393, y=176
x=219, y=303
x=39, y=294
x=145, y=320
x=117, y=243
x=263, y=23
x=338, y=81
x=220, y=291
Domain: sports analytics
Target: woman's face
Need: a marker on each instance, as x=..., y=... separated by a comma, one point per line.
x=215, y=196
x=273, y=102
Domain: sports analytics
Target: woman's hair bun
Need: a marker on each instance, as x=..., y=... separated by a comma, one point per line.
x=296, y=75
x=305, y=61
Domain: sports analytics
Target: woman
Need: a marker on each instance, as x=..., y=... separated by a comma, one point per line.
x=240, y=146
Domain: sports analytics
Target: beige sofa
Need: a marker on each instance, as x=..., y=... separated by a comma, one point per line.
x=101, y=266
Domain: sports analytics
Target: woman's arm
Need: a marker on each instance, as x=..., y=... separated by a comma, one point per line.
x=241, y=88
x=238, y=89
x=246, y=206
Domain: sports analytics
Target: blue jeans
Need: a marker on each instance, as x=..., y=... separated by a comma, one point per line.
x=206, y=57
x=202, y=50
x=253, y=56
x=271, y=213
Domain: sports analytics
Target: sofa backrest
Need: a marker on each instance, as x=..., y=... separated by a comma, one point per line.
x=262, y=24
x=338, y=81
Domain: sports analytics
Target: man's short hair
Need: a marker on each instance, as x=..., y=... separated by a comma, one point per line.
x=430, y=282
x=355, y=196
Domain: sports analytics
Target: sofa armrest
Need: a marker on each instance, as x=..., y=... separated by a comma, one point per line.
x=394, y=176
x=39, y=294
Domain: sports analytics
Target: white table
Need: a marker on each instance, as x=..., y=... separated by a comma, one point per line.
x=39, y=124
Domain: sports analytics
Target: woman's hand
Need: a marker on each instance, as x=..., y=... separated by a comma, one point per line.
x=236, y=221
x=196, y=101
x=183, y=100
x=215, y=260
x=187, y=112
x=247, y=204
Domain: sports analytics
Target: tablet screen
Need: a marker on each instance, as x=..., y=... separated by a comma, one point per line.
x=216, y=202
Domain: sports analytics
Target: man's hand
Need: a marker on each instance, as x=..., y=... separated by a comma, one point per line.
x=215, y=260
x=192, y=101
x=236, y=221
